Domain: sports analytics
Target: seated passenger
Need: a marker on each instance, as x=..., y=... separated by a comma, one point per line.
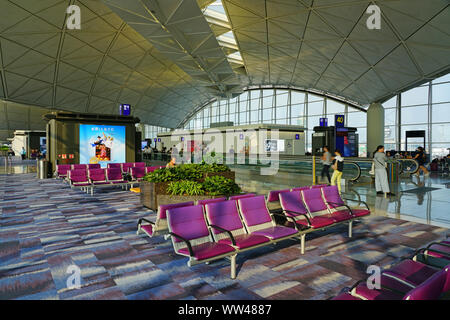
x=172, y=163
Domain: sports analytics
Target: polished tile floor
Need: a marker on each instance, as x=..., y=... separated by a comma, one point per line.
x=45, y=227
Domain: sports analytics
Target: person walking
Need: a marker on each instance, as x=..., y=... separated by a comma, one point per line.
x=421, y=158
x=326, y=163
x=381, y=178
x=338, y=167
x=23, y=153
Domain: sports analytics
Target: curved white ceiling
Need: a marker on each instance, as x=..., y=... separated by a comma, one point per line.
x=163, y=58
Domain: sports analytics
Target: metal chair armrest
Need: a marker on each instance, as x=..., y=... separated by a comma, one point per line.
x=356, y=284
x=342, y=205
x=359, y=201
x=438, y=251
x=146, y=220
x=233, y=241
x=188, y=244
x=285, y=216
x=299, y=213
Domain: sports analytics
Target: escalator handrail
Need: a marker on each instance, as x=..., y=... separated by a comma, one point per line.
x=411, y=160
x=357, y=167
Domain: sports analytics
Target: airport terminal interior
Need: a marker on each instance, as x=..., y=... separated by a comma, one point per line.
x=225, y=150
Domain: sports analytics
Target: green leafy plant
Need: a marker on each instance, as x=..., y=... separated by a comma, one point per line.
x=191, y=172
x=184, y=187
x=161, y=175
x=219, y=185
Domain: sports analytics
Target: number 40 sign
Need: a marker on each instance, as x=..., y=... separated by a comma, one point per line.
x=339, y=120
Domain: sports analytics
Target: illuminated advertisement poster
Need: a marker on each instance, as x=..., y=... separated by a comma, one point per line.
x=102, y=144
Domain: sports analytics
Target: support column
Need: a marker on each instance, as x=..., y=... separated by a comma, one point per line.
x=375, y=127
x=141, y=127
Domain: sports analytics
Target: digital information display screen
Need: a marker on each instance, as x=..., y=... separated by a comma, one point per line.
x=102, y=144
x=125, y=109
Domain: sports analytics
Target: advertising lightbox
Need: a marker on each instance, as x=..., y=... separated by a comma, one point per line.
x=102, y=144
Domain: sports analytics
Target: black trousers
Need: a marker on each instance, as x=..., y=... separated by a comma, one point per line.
x=326, y=171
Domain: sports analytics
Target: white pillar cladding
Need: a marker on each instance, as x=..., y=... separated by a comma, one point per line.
x=375, y=127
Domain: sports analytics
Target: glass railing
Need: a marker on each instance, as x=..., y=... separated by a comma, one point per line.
x=354, y=168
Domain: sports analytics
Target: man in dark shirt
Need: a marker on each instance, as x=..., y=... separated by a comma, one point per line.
x=421, y=159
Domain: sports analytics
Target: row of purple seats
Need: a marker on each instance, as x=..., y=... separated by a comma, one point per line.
x=63, y=169
x=88, y=179
x=125, y=167
x=223, y=228
x=159, y=226
x=273, y=197
x=408, y=280
x=320, y=208
x=436, y=251
x=153, y=168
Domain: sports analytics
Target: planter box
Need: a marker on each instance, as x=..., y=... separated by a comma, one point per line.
x=152, y=192
x=169, y=199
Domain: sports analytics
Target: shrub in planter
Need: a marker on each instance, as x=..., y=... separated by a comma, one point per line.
x=219, y=185
x=192, y=172
x=185, y=187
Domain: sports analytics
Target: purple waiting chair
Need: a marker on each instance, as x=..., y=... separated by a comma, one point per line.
x=409, y=280
x=137, y=174
x=242, y=196
x=316, y=207
x=258, y=220
x=433, y=288
x=159, y=226
x=139, y=165
x=293, y=206
x=153, y=168
x=97, y=177
x=226, y=226
x=191, y=238
x=126, y=167
x=301, y=188
x=79, y=167
x=318, y=186
x=114, y=176
x=336, y=204
x=273, y=200
x=114, y=165
x=62, y=170
x=213, y=200
x=438, y=250
x=93, y=166
x=79, y=179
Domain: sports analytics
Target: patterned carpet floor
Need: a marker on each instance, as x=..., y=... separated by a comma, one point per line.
x=45, y=227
